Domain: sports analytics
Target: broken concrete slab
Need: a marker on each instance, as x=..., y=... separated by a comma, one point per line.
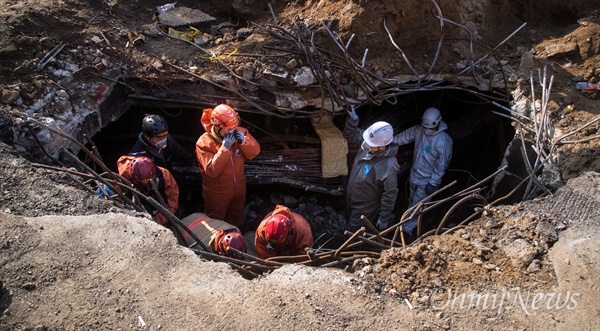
x=182, y=16
x=560, y=50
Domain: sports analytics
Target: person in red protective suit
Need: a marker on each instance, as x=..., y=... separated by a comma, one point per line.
x=282, y=233
x=142, y=173
x=214, y=234
x=221, y=152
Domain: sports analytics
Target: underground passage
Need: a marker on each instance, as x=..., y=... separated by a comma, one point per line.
x=288, y=169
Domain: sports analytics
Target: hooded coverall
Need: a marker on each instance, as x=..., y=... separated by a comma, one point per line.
x=373, y=181
x=164, y=156
x=299, y=237
x=431, y=157
x=208, y=230
x=223, y=179
x=167, y=187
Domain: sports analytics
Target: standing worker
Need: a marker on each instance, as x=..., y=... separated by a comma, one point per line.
x=214, y=234
x=282, y=233
x=431, y=157
x=155, y=142
x=373, y=181
x=144, y=175
x=221, y=152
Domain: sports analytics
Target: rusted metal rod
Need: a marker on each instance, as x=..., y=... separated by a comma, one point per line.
x=368, y=241
x=350, y=240
x=344, y=260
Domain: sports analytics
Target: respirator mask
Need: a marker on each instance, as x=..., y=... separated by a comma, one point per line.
x=430, y=132
x=161, y=143
x=365, y=147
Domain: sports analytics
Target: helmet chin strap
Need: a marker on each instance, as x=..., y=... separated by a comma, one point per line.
x=216, y=135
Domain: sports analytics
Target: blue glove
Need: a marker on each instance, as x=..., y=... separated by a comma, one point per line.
x=429, y=189
x=381, y=225
x=101, y=194
x=228, y=140
x=352, y=114
x=239, y=135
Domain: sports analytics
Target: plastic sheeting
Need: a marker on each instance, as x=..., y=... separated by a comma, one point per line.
x=334, y=148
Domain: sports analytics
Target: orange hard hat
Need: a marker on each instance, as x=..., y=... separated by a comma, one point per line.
x=232, y=239
x=224, y=117
x=141, y=170
x=277, y=229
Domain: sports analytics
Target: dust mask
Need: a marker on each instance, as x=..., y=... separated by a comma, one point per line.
x=430, y=132
x=365, y=147
x=161, y=143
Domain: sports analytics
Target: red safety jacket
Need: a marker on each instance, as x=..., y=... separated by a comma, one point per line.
x=208, y=230
x=223, y=179
x=167, y=187
x=300, y=236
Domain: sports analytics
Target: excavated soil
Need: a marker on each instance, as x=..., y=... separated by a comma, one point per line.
x=70, y=260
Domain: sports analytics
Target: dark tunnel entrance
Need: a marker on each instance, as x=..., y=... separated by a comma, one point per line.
x=288, y=169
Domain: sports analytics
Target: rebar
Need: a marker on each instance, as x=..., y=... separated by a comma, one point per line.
x=455, y=206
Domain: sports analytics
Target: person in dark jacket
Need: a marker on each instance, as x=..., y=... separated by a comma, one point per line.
x=373, y=181
x=155, y=143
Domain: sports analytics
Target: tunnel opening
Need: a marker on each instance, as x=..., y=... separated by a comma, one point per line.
x=288, y=169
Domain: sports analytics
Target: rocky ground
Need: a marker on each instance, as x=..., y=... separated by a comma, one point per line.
x=73, y=261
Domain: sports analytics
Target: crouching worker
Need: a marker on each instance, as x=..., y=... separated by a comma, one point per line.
x=215, y=234
x=152, y=181
x=282, y=233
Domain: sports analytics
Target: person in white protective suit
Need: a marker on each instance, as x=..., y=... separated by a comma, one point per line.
x=431, y=157
x=373, y=181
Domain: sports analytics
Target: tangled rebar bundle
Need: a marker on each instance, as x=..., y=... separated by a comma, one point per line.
x=342, y=81
x=367, y=241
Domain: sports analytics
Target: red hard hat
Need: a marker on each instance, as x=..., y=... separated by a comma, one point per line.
x=232, y=239
x=225, y=117
x=277, y=229
x=141, y=170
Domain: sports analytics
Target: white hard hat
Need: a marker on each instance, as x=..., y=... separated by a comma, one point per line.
x=431, y=118
x=379, y=134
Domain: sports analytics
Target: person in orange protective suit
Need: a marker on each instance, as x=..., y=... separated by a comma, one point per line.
x=282, y=233
x=143, y=174
x=221, y=152
x=214, y=234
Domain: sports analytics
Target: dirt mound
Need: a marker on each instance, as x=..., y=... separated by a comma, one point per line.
x=97, y=266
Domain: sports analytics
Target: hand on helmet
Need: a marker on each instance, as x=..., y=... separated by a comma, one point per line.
x=228, y=140
x=239, y=135
x=429, y=189
x=352, y=114
x=382, y=225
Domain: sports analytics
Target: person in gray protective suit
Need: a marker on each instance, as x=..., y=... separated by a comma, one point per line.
x=431, y=157
x=373, y=181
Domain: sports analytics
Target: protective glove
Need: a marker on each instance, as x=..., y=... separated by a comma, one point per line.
x=228, y=140
x=352, y=114
x=429, y=189
x=239, y=135
x=382, y=225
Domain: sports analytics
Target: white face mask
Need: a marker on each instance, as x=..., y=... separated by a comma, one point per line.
x=430, y=132
x=161, y=143
x=365, y=147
